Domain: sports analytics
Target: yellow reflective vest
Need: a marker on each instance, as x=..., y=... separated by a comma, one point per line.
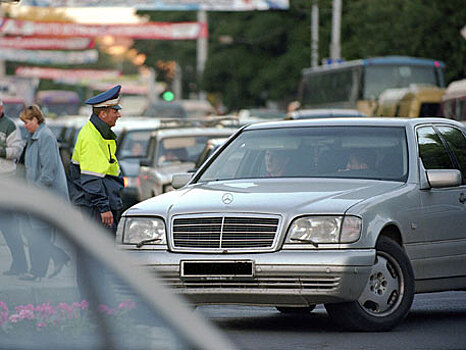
x=94, y=154
x=94, y=171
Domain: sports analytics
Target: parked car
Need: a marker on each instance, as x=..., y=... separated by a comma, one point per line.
x=133, y=134
x=172, y=151
x=211, y=146
x=66, y=130
x=261, y=114
x=325, y=113
x=197, y=108
x=118, y=305
x=363, y=213
x=163, y=109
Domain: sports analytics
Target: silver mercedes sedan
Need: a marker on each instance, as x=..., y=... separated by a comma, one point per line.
x=358, y=214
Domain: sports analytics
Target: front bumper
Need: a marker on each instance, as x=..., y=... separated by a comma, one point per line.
x=283, y=278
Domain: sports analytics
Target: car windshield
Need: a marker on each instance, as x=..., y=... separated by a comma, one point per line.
x=134, y=144
x=181, y=149
x=336, y=152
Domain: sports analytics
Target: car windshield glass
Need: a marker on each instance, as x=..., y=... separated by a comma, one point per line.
x=74, y=301
x=337, y=152
x=181, y=149
x=134, y=144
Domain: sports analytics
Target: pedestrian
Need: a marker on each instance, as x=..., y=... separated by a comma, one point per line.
x=11, y=146
x=44, y=169
x=94, y=171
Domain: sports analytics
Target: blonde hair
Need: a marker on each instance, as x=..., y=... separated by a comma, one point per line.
x=32, y=112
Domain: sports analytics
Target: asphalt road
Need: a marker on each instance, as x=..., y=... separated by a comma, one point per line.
x=436, y=321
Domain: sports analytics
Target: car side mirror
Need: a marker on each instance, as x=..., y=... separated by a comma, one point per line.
x=145, y=162
x=439, y=178
x=179, y=180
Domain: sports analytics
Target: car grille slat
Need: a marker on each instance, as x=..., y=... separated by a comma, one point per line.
x=276, y=282
x=220, y=232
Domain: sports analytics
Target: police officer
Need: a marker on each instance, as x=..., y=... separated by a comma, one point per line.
x=94, y=170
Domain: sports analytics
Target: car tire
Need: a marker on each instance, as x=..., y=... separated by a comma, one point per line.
x=387, y=296
x=295, y=310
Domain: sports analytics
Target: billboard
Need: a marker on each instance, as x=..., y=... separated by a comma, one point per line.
x=33, y=43
x=169, y=5
x=49, y=57
x=149, y=30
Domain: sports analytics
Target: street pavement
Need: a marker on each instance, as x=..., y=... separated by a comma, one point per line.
x=14, y=291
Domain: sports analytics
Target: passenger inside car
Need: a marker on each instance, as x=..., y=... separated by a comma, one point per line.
x=276, y=162
x=173, y=155
x=360, y=160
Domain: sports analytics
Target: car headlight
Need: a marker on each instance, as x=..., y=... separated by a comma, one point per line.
x=324, y=229
x=144, y=230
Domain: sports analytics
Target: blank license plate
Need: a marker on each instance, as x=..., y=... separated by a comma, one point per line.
x=216, y=269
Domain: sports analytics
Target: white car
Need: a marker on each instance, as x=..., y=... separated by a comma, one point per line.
x=358, y=214
x=172, y=151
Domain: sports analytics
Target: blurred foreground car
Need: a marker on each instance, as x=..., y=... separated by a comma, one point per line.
x=116, y=305
x=367, y=212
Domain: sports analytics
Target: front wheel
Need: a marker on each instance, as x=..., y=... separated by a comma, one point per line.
x=387, y=296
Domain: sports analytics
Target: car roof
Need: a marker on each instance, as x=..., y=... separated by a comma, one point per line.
x=199, y=131
x=400, y=122
x=133, y=123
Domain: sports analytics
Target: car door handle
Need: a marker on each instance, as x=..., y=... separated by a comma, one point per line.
x=462, y=198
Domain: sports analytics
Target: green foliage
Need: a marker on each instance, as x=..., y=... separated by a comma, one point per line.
x=429, y=29
x=255, y=57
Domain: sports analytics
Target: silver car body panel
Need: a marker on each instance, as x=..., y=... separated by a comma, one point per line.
x=292, y=274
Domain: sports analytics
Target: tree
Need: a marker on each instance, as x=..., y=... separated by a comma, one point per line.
x=255, y=57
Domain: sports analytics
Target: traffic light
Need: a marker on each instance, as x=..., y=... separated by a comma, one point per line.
x=167, y=95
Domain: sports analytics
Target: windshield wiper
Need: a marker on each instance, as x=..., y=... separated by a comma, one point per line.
x=306, y=241
x=140, y=244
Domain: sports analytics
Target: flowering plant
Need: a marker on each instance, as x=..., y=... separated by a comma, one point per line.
x=70, y=320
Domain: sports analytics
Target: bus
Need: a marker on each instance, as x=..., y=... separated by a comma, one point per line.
x=358, y=84
x=55, y=103
x=454, y=101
